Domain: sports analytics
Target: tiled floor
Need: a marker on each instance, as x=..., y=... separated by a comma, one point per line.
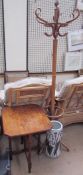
x=67, y=163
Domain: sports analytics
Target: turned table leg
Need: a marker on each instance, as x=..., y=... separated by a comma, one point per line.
x=27, y=142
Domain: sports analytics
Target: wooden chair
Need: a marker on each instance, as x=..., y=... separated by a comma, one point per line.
x=24, y=115
x=70, y=99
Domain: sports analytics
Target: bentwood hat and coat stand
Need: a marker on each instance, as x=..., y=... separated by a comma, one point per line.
x=55, y=26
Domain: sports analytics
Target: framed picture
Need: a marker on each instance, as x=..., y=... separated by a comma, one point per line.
x=75, y=40
x=72, y=61
x=80, y=5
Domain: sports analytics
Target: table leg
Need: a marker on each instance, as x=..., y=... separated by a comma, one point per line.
x=21, y=139
x=28, y=156
x=10, y=147
x=38, y=144
x=1, y=125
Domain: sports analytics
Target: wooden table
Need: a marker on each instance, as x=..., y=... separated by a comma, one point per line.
x=24, y=121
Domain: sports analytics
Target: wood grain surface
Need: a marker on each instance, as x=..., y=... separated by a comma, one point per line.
x=24, y=120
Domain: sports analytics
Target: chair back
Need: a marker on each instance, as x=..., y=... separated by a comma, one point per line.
x=31, y=94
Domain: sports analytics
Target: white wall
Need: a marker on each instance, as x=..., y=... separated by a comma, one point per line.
x=15, y=14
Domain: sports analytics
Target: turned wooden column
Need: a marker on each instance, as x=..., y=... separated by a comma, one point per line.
x=54, y=59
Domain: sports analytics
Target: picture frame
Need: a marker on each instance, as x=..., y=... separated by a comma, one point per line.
x=73, y=61
x=75, y=40
x=80, y=5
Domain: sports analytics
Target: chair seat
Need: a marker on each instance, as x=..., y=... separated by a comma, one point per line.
x=24, y=120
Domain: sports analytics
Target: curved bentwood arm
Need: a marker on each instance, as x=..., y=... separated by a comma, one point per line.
x=56, y=25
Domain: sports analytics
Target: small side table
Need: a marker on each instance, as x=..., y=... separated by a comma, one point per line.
x=24, y=121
